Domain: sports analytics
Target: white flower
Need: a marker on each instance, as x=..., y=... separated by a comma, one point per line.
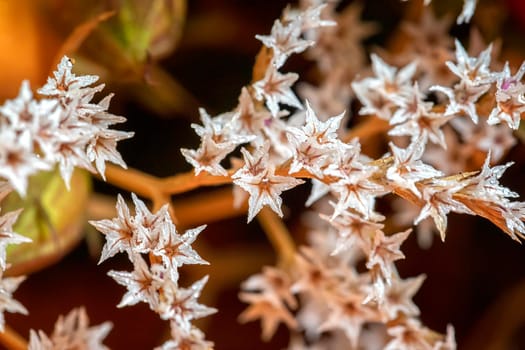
x=185, y=336
x=284, y=40
x=8, y=286
x=208, y=156
x=65, y=128
x=408, y=168
x=386, y=250
x=472, y=70
x=121, y=233
x=257, y=177
x=398, y=297
x=314, y=142
x=510, y=98
x=72, y=332
x=175, y=250
x=180, y=304
x=463, y=98
x=64, y=81
x=439, y=201
x=141, y=283
x=275, y=88
x=8, y=236
x=18, y=160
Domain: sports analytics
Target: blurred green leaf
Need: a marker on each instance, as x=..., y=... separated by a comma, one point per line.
x=148, y=29
x=53, y=218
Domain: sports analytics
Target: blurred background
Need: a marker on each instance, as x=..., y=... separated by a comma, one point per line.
x=163, y=60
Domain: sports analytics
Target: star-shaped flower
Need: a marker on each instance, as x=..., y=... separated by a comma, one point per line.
x=274, y=282
x=510, y=98
x=426, y=126
x=284, y=40
x=209, y=156
x=257, y=177
x=64, y=81
x=410, y=334
x=18, y=160
x=314, y=142
x=386, y=250
x=141, y=283
x=121, y=232
x=410, y=105
x=357, y=192
x=353, y=228
x=181, y=304
x=348, y=314
x=248, y=119
x=8, y=285
x=388, y=80
x=398, y=297
x=408, y=168
x=463, y=98
x=188, y=337
x=439, y=201
x=175, y=250
x=275, y=88
x=473, y=71
x=8, y=236
x=103, y=148
x=72, y=332
x=268, y=311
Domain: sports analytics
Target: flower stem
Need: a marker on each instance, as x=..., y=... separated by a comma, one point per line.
x=370, y=127
x=188, y=181
x=132, y=180
x=12, y=340
x=278, y=235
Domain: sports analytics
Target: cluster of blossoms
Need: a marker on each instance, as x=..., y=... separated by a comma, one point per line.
x=71, y=332
x=156, y=282
x=67, y=129
x=320, y=296
x=426, y=108
x=64, y=127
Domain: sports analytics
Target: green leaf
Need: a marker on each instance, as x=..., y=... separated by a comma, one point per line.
x=53, y=218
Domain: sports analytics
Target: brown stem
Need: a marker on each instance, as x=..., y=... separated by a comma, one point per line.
x=208, y=207
x=12, y=340
x=278, y=235
x=132, y=180
x=186, y=182
x=262, y=61
x=370, y=127
x=192, y=211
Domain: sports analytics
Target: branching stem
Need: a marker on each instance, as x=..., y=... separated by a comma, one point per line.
x=278, y=235
x=11, y=340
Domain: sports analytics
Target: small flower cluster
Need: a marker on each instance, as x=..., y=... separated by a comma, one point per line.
x=65, y=128
x=322, y=283
x=324, y=294
x=71, y=332
x=156, y=282
x=341, y=169
x=265, y=129
x=439, y=100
